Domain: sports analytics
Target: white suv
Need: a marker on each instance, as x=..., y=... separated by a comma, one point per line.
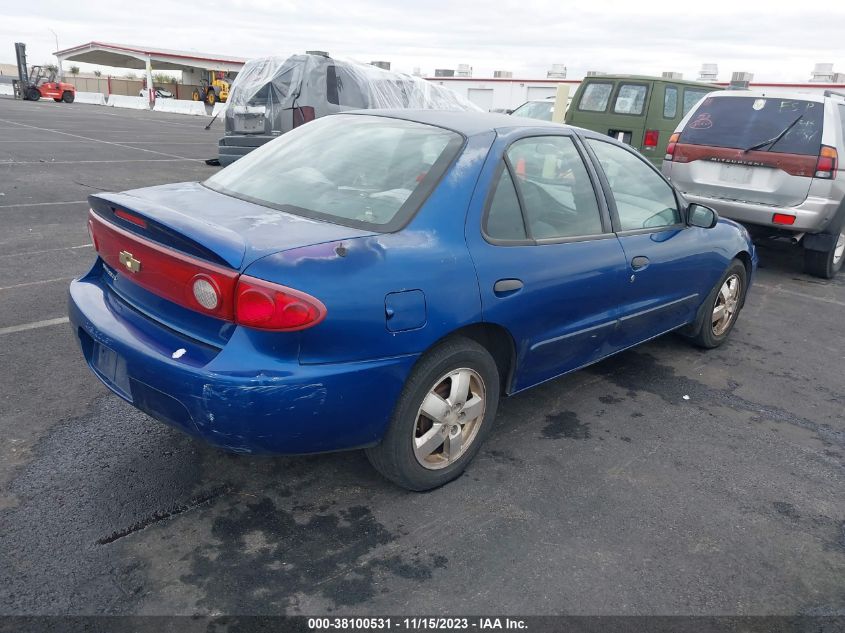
x=770, y=161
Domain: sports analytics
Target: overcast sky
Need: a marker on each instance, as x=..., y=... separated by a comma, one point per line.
x=777, y=41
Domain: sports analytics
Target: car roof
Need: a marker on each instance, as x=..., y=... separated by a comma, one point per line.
x=767, y=94
x=686, y=82
x=463, y=122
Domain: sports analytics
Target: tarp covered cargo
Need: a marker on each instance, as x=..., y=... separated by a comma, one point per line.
x=273, y=95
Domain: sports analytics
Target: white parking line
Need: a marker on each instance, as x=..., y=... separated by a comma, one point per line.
x=40, y=204
x=48, y=250
x=79, y=162
x=795, y=293
x=33, y=326
x=37, y=283
x=88, y=138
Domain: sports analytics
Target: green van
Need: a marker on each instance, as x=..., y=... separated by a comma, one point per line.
x=640, y=111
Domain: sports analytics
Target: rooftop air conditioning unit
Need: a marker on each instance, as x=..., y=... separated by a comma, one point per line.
x=671, y=74
x=502, y=74
x=557, y=71
x=709, y=72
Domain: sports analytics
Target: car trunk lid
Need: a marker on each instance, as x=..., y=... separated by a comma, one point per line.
x=154, y=242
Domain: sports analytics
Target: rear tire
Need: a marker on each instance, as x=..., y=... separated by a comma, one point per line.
x=825, y=264
x=68, y=96
x=444, y=413
x=721, y=309
x=195, y=95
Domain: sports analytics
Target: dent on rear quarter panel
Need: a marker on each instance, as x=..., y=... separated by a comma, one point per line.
x=353, y=277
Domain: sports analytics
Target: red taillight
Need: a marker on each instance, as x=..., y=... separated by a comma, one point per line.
x=670, y=148
x=201, y=286
x=303, y=114
x=651, y=138
x=164, y=272
x=134, y=219
x=783, y=218
x=268, y=306
x=828, y=163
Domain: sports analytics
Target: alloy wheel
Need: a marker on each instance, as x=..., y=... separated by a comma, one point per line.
x=449, y=418
x=727, y=304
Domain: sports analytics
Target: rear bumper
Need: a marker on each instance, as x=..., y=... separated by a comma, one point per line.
x=811, y=216
x=236, y=398
x=231, y=148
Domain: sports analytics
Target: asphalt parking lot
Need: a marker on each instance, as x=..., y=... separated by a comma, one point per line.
x=666, y=480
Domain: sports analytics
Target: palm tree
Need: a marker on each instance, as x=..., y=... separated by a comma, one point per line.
x=74, y=70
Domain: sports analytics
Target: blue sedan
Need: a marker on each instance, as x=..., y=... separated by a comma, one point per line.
x=378, y=280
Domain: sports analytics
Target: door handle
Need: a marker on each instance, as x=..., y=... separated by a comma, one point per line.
x=505, y=287
x=639, y=262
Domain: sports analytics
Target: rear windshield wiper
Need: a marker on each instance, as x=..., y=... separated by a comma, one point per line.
x=771, y=142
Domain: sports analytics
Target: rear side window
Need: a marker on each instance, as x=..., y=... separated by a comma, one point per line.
x=745, y=122
x=670, y=102
x=343, y=89
x=556, y=192
x=630, y=99
x=504, y=219
x=691, y=97
x=595, y=97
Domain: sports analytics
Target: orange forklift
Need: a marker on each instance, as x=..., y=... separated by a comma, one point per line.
x=40, y=81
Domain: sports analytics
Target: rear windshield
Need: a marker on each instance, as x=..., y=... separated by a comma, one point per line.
x=542, y=110
x=363, y=171
x=743, y=122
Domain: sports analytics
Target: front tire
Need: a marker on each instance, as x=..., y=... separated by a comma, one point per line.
x=33, y=94
x=442, y=417
x=721, y=308
x=826, y=264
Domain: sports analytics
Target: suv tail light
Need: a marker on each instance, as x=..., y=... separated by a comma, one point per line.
x=302, y=115
x=828, y=163
x=651, y=138
x=268, y=306
x=670, y=148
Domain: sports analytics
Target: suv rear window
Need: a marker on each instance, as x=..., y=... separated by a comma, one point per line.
x=742, y=122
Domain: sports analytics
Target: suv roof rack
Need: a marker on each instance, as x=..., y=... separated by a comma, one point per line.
x=834, y=93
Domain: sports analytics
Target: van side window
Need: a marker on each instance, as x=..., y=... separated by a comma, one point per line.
x=670, y=102
x=643, y=199
x=691, y=97
x=595, y=97
x=842, y=116
x=504, y=217
x=558, y=197
x=343, y=89
x=630, y=99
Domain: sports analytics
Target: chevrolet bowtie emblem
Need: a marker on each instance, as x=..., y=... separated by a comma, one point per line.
x=130, y=263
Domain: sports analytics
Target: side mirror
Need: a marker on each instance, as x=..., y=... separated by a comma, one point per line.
x=701, y=216
x=508, y=111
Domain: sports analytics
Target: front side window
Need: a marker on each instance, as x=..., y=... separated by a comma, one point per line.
x=670, y=102
x=595, y=97
x=558, y=197
x=363, y=171
x=691, y=97
x=630, y=99
x=643, y=199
